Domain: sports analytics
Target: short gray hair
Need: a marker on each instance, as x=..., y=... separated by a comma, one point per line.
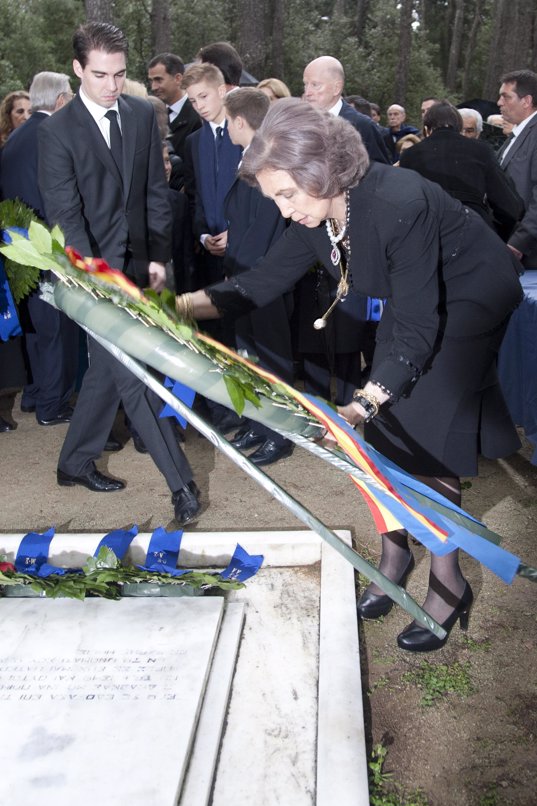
x=45, y=89
x=473, y=113
x=323, y=153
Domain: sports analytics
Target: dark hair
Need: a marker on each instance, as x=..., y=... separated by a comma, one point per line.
x=225, y=57
x=525, y=83
x=323, y=153
x=172, y=63
x=430, y=98
x=360, y=104
x=442, y=115
x=374, y=107
x=98, y=36
x=248, y=102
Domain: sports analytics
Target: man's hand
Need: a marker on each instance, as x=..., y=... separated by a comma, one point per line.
x=216, y=244
x=157, y=276
x=515, y=251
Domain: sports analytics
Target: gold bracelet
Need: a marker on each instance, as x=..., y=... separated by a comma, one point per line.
x=185, y=307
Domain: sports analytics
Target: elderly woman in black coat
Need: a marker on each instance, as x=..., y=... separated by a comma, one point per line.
x=432, y=402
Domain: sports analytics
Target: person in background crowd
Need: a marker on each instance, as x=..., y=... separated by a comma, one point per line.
x=518, y=157
x=396, y=115
x=51, y=338
x=254, y=224
x=426, y=105
x=274, y=89
x=14, y=111
x=472, y=123
x=466, y=168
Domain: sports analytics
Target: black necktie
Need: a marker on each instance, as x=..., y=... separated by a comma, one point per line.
x=218, y=140
x=170, y=111
x=116, y=143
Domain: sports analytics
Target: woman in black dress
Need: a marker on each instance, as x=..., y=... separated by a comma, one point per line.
x=432, y=403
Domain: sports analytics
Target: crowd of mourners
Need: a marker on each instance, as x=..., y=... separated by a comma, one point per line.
x=178, y=183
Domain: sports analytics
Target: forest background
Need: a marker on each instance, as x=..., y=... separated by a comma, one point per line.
x=393, y=51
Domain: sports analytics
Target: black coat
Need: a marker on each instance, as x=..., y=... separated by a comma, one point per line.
x=469, y=171
x=369, y=131
x=19, y=165
x=442, y=270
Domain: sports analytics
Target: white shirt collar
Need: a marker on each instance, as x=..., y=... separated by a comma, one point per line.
x=336, y=109
x=96, y=111
x=177, y=106
x=215, y=126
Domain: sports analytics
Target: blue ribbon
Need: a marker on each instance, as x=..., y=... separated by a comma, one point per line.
x=33, y=552
x=183, y=393
x=119, y=541
x=162, y=553
x=478, y=541
x=242, y=565
x=375, y=307
x=9, y=319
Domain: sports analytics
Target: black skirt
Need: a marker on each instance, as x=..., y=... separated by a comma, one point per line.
x=453, y=413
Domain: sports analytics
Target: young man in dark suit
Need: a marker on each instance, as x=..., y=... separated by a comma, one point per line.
x=254, y=224
x=101, y=175
x=51, y=338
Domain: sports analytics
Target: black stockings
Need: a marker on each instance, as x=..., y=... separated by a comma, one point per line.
x=446, y=582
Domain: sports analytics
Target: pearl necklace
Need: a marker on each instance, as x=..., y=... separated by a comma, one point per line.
x=335, y=257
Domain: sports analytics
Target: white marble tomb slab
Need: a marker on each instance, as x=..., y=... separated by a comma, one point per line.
x=101, y=696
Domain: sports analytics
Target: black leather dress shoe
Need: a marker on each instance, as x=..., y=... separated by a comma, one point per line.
x=185, y=503
x=139, y=444
x=374, y=605
x=271, y=452
x=113, y=444
x=5, y=426
x=94, y=480
x=63, y=417
x=246, y=439
x=28, y=408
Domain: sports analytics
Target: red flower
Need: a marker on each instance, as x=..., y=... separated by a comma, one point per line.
x=6, y=567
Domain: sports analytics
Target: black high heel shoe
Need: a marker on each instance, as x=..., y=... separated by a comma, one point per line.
x=374, y=605
x=415, y=638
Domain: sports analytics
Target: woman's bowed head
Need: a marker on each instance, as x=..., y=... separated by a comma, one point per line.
x=305, y=160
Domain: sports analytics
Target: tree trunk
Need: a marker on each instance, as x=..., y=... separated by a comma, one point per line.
x=455, y=47
x=251, y=39
x=405, y=47
x=278, y=24
x=362, y=7
x=99, y=10
x=160, y=27
x=494, y=66
x=470, y=48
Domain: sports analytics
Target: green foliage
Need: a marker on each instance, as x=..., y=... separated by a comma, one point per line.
x=105, y=575
x=383, y=791
x=438, y=679
x=22, y=279
x=34, y=36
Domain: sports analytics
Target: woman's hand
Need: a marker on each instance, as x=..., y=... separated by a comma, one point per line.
x=353, y=413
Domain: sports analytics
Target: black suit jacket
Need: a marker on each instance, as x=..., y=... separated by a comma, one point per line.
x=125, y=219
x=19, y=165
x=369, y=131
x=469, y=171
x=186, y=122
